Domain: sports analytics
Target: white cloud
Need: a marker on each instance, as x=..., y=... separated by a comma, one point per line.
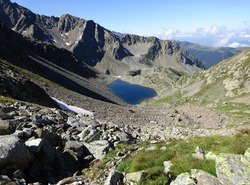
x=237, y=44
x=215, y=35
x=216, y=30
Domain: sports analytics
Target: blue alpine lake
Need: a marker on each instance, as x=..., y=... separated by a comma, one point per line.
x=131, y=93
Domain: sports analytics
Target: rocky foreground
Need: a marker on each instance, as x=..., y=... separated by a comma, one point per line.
x=48, y=145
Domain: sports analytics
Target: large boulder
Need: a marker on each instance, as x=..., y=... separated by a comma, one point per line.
x=204, y=178
x=47, y=153
x=76, y=146
x=13, y=152
x=233, y=168
x=98, y=148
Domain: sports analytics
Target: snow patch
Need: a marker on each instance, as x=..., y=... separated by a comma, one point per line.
x=67, y=43
x=53, y=40
x=73, y=109
x=50, y=40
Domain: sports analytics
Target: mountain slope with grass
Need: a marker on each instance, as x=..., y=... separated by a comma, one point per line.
x=224, y=88
x=209, y=56
x=15, y=85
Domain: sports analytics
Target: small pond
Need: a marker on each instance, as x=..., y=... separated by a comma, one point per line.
x=131, y=93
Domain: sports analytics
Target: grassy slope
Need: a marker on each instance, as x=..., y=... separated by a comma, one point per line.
x=211, y=92
x=179, y=152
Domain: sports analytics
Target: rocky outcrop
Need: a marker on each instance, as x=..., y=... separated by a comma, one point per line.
x=14, y=155
x=233, y=169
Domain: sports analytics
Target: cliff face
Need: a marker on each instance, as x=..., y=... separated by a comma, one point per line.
x=96, y=45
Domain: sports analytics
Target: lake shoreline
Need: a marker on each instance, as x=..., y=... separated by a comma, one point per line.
x=132, y=94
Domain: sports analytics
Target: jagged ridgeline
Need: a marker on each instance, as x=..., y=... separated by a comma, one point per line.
x=97, y=46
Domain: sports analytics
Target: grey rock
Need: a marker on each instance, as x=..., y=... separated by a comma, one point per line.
x=75, y=123
x=135, y=177
x=152, y=148
x=167, y=165
x=204, y=178
x=13, y=151
x=4, y=115
x=5, y=180
x=24, y=133
x=47, y=154
x=52, y=137
x=6, y=127
x=183, y=179
x=76, y=146
x=114, y=178
x=122, y=136
x=200, y=150
x=210, y=156
x=89, y=134
x=98, y=148
x=34, y=145
x=198, y=156
x=233, y=168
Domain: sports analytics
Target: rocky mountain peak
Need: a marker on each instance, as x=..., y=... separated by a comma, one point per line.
x=67, y=23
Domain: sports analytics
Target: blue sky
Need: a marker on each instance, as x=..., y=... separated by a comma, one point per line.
x=208, y=22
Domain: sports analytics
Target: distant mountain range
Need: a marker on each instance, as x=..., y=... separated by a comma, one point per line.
x=210, y=56
x=106, y=51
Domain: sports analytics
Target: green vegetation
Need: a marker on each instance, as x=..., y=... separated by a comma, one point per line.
x=26, y=73
x=172, y=99
x=7, y=100
x=179, y=152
